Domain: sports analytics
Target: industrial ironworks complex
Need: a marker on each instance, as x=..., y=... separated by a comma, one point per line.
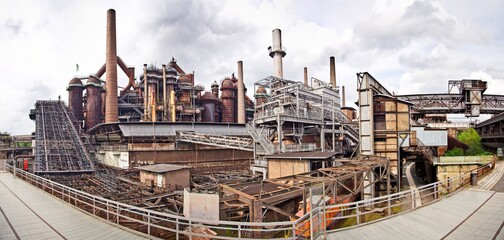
x=202, y=164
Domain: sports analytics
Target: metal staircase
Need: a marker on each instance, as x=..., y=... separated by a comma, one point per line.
x=267, y=145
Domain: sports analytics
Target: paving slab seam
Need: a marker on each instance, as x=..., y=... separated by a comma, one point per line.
x=460, y=224
x=10, y=224
x=498, y=231
x=49, y=225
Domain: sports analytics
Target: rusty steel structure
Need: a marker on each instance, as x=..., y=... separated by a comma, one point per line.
x=464, y=96
x=257, y=201
x=228, y=100
x=58, y=145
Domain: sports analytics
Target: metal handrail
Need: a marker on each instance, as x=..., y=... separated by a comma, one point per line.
x=154, y=221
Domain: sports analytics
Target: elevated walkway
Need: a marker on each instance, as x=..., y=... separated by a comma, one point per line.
x=475, y=213
x=27, y=212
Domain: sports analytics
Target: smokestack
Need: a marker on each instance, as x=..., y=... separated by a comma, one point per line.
x=241, y=94
x=111, y=110
x=333, y=72
x=146, y=95
x=165, y=99
x=277, y=53
x=306, y=77
x=343, y=100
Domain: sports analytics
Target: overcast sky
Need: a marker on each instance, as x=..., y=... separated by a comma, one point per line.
x=410, y=46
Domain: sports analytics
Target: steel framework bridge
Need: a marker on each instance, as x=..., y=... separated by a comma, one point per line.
x=469, y=100
x=59, y=147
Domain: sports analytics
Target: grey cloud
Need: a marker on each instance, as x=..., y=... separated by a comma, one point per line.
x=10, y=27
x=419, y=20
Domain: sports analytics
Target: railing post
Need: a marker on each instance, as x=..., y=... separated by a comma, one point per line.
x=357, y=214
x=414, y=199
x=117, y=213
x=190, y=229
x=239, y=231
x=294, y=230
x=107, y=210
x=148, y=223
x=177, y=228
x=435, y=191
x=389, y=212
x=94, y=205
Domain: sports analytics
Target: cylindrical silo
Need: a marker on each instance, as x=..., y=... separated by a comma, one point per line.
x=93, y=103
x=228, y=97
x=75, y=89
x=209, y=103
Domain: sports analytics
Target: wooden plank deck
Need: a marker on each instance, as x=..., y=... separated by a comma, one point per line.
x=29, y=213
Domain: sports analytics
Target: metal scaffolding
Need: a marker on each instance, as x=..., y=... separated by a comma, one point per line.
x=290, y=113
x=58, y=147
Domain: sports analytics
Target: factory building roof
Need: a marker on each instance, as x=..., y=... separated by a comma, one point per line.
x=161, y=168
x=168, y=129
x=303, y=155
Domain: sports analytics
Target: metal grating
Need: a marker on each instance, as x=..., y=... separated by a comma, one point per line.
x=59, y=147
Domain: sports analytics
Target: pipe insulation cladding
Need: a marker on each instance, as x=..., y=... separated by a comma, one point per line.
x=111, y=109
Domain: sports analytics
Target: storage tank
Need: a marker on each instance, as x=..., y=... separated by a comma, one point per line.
x=75, y=89
x=228, y=97
x=210, y=103
x=93, y=103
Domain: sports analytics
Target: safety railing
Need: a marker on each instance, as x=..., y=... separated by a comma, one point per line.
x=352, y=214
x=164, y=225
x=158, y=224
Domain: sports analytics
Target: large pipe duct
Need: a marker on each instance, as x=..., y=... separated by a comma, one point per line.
x=343, y=100
x=333, y=71
x=111, y=109
x=306, y=77
x=277, y=53
x=241, y=94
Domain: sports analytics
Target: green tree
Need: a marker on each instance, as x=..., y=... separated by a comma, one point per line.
x=455, y=152
x=473, y=140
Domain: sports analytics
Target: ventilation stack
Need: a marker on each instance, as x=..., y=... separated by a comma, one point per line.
x=111, y=109
x=241, y=94
x=343, y=100
x=332, y=72
x=277, y=53
x=306, y=77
